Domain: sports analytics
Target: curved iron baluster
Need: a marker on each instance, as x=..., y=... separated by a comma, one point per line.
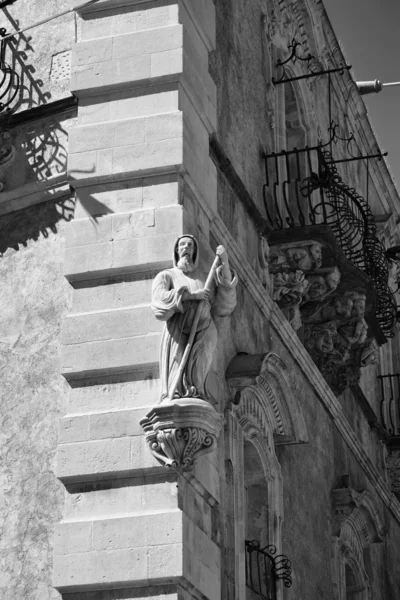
x=10, y=80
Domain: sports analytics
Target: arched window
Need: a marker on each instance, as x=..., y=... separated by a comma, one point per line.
x=357, y=524
x=265, y=413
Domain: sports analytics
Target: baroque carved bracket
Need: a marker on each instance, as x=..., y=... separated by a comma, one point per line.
x=327, y=300
x=179, y=432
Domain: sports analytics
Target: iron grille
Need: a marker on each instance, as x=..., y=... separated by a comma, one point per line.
x=264, y=567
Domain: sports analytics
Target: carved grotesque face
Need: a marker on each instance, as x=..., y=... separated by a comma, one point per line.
x=316, y=253
x=343, y=306
x=359, y=306
x=324, y=341
x=333, y=279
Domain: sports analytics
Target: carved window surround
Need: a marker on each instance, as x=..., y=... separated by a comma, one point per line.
x=356, y=524
x=263, y=412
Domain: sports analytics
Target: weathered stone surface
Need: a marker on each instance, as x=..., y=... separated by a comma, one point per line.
x=34, y=297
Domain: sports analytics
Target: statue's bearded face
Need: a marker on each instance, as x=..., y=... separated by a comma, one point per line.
x=185, y=254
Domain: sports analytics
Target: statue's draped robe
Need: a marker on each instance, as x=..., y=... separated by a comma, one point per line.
x=168, y=305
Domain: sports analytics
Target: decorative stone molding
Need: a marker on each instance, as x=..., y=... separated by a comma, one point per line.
x=356, y=525
x=179, y=432
x=328, y=301
x=263, y=380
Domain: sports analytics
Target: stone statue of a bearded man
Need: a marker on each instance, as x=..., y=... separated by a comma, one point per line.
x=177, y=295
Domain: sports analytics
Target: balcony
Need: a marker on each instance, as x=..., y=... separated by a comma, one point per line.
x=329, y=269
x=263, y=570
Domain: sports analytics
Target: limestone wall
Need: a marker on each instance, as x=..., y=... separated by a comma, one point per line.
x=34, y=298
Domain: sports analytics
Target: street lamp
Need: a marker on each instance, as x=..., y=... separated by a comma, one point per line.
x=376, y=86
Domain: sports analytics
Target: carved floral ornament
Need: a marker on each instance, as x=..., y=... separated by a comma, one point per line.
x=185, y=425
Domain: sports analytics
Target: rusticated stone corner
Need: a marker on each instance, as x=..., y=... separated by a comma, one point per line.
x=179, y=432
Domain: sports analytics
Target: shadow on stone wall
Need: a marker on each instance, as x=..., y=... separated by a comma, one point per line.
x=18, y=228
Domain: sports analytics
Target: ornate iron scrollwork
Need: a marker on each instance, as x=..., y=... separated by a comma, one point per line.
x=264, y=567
x=303, y=187
x=9, y=79
x=313, y=68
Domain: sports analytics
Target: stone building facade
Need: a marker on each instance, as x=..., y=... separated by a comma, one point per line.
x=127, y=124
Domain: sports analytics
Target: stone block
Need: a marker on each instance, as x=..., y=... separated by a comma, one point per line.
x=70, y=538
x=80, y=232
x=114, y=534
x=164, y=127
x=108, y=325
x=201, y=546
x=104, y=459
x=148, y=156
x=126, y=196
x=81, y=459
x=135, y=57
x=73, y=429
x=126, y=291
x=121, y=256
x=200, y=576
x=116, y=392
x=121, y=423
x=93, y=570
x=121, y=498
x=129, y=132
x=167, y=218
x=127, y=103
x=87, y=261
x=162, y=39
x=94, y=51
x=139, y=530
x=160, y=195
x=87, y=138
x=110, y=356
x=202, y=13
x=140, y=223
x=165, y=561
x=165, y=63
x=102, y=76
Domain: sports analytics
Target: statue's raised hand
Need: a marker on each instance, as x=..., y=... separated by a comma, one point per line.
x=198, y=295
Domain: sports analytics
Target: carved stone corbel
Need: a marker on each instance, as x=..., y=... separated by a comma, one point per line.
x=393, y=468
x=179, y=432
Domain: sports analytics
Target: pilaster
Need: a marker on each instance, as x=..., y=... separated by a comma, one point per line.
x=138, y=161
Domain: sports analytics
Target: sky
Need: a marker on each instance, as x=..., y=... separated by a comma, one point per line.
x=369, y=32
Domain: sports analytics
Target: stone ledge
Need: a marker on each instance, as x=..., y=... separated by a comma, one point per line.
x=96, y=460
x=117, y=568
x=140, y=530
x=99, y=426
x=54, y=188
x=110, y=356
x=110, y=325
x=83, y=263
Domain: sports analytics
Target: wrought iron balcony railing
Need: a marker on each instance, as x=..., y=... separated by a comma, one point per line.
x=264, y=567
x=9, y=79
x=390, y=403
x=303, y=187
